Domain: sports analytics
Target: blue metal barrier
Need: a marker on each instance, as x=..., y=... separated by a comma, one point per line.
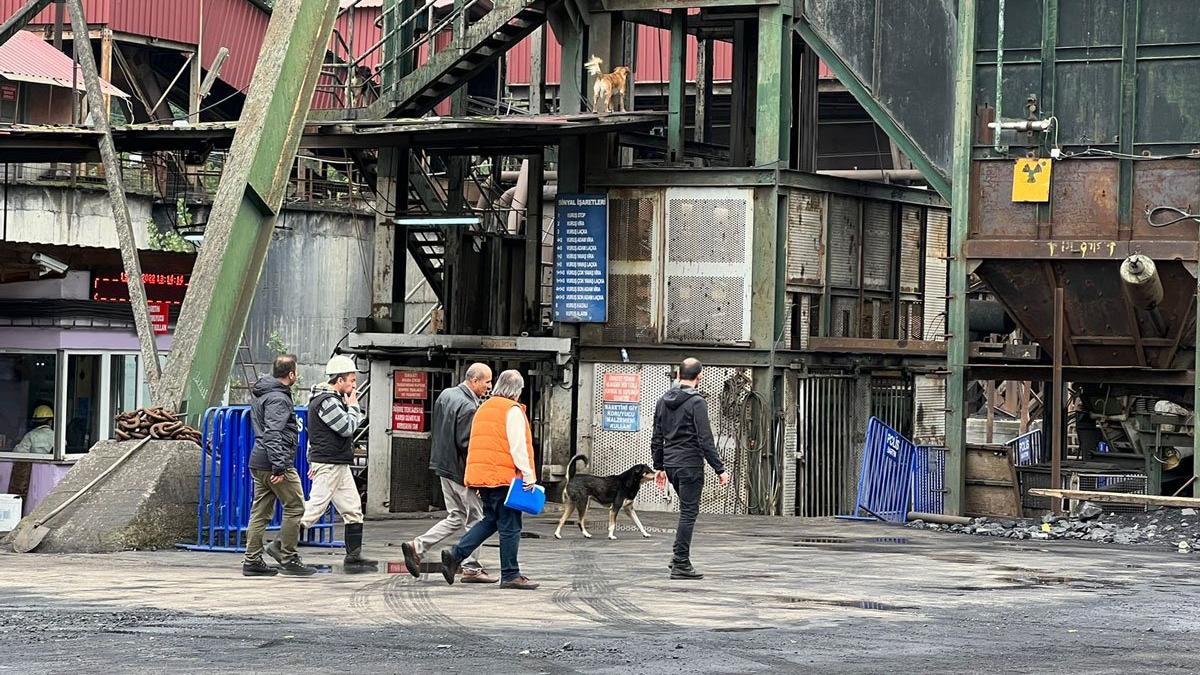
x=885, y=484
x=1027, y=449
x=227, y=487
x=929, y=479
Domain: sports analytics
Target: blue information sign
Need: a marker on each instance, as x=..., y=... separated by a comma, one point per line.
x=581, y=258
x=619, y=416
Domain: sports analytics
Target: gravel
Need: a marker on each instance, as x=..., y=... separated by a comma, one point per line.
x=1168, y=527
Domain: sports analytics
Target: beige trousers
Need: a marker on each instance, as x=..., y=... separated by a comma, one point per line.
x=332, y=483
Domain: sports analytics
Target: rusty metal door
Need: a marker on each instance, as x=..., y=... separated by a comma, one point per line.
x=828, y=410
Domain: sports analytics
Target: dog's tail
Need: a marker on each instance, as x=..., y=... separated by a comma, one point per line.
x=571, y=465
x=593, y=65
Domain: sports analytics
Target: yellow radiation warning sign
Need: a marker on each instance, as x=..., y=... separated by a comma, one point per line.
x=1031, y=180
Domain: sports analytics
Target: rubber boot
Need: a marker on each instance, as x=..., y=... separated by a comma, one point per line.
x=354, y=563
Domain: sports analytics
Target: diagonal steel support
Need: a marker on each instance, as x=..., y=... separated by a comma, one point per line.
x=247, y=204
x=22, y=17
x=116, y=197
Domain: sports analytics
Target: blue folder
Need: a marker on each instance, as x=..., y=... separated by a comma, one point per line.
x=525, y=501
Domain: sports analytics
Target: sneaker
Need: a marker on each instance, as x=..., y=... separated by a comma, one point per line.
x=475, y=575
x=449, y=566
x=295, y=568
x=412, y=559
x=258, y=568
x=275, y=550
x=520, y=583
x=685, y=571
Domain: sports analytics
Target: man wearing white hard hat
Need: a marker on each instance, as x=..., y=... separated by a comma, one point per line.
x=333, y=417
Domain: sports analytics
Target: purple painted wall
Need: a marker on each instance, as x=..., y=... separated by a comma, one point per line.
x=42, y=479
x=49, y=339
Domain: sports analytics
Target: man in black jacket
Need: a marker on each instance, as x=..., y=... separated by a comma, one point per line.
x=333, y=417
x=273, y=466
x=453, y=413
x=681, y=444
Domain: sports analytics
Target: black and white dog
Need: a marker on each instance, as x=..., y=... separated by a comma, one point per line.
x=616, y=492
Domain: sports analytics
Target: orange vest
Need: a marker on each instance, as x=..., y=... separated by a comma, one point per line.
x=489, y=462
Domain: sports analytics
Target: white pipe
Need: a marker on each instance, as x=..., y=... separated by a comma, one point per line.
x=520, y=198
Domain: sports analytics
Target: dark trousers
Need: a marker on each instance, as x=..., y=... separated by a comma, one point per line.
x=688, y=483
x=291, y=495
x=496, y=518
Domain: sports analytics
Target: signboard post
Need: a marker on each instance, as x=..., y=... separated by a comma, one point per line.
x=621, y=406
x=581, y=258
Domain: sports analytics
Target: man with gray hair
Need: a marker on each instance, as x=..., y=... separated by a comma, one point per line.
x=501, y=450
x=453, y=413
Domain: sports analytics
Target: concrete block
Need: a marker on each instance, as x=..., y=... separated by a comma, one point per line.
x=148, y=502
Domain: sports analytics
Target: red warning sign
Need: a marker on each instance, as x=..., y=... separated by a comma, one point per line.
x=411, y=385
x=623, y=387
x=408, y=417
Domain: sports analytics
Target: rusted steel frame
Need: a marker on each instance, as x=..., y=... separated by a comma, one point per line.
x=1056, y=382
x=1084, y=374
x=116, y=198
x=1053, y=281
x=1188, y=319
x=1074, y=249
x=1135, y=329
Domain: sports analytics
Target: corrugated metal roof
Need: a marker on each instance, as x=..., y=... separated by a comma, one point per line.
x=28, y=58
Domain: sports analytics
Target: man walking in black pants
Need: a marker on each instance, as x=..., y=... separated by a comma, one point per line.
x=681, y=444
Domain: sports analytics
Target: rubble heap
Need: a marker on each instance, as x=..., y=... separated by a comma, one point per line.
x=1178, y=528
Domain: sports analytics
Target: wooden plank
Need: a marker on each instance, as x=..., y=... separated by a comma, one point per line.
x=1117, y=498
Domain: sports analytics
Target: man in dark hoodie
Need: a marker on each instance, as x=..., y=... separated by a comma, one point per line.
x=681, y=444
x=273, y=466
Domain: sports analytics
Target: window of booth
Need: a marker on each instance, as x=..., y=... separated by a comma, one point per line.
x=83, y=390
x=81, y=416
x=27, y=383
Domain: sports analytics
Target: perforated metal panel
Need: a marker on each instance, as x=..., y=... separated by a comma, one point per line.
x=616, y=451
x=633, y=293
x=929, y=419
x=843, y=317
x=910, y=249
x=844, y=241
x=937, y=249
x=705, y=309
x=708, y=238
x=806, y=237
x=877, y=246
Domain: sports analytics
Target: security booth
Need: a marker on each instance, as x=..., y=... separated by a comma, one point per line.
x=409, y=371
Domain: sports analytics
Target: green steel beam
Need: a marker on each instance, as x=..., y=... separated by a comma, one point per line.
x=1129, y=34
x=956, y=321
x=675, y=92
x=247, y=203
x=863, y=95
x=22, y=17
x=1049, y=83
x=772, y=145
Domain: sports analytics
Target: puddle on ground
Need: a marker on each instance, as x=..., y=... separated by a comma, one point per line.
x=853, y=604
x=740, y=629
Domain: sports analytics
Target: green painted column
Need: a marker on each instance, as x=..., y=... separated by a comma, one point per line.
x=676, y=88
x=956, y=322
x=247, y=203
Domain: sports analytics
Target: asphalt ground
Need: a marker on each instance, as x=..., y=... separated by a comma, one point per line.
x=779, y=595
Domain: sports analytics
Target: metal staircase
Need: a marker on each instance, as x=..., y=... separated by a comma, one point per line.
x=481, y=44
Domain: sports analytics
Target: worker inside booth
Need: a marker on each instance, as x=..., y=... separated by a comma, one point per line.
x=27, y=387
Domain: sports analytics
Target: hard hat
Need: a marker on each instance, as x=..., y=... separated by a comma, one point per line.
x=339, y=365
x=43, y=412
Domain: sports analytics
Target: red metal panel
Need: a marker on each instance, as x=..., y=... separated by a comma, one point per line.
x=26, y=57
x=176, y=20
x=364, y=31
x=240, y=26
x=98, y=12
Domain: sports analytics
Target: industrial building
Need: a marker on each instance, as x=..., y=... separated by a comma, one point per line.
x=982, y=242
